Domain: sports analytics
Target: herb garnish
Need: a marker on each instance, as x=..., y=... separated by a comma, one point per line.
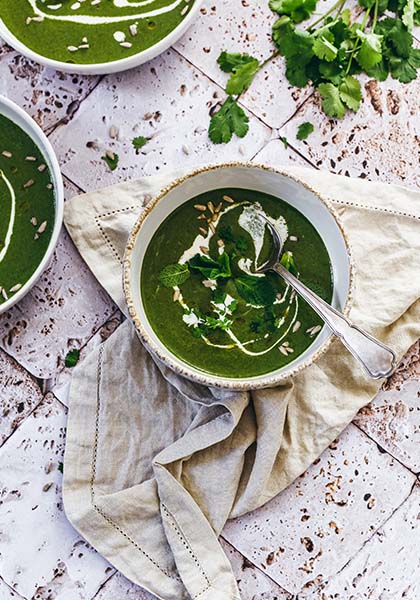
x=72, y=358
x=173, y=275
x=138, y=142
x=327, y=54
x=211, y=269
x=111, y=159
x=257, y=291
x=304, y=130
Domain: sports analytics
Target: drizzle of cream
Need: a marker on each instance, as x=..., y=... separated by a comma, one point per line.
x=98, y=20
x=11, y=224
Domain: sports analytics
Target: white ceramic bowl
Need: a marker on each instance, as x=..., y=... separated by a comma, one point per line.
x=27, y=124
x=248, y=176
x=115, y=66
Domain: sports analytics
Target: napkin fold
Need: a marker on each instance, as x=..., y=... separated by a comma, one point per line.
x=155, y=464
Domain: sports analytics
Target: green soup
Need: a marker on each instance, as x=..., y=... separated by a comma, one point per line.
x=27, y=208
x=91, y=31
x=203, y=297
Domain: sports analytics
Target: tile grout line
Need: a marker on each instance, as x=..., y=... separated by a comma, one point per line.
x=19, y=596
x=256, y=566
x=385, y=451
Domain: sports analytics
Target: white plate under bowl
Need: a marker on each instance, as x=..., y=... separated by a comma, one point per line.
x=27, y=124
x=115, y=66
x=247, y=176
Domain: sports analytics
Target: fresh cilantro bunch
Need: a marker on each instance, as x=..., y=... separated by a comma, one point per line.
x=328, y=54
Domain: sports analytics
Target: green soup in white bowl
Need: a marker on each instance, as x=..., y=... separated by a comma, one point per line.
x=31, y=203
x=191, y=282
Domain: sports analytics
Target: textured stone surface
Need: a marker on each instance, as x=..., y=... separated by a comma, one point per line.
x=41, y=555
x=19, y=394
x=166, y=100
x=49, y=97
x=373, y=572
x=309, y=532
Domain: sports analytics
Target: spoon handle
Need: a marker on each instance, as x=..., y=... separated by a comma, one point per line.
x=377, y=359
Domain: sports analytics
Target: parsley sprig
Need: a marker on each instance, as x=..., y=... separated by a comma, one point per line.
x=327, y=54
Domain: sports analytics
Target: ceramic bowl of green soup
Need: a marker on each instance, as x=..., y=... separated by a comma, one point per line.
x=31, y=203
x=94, y=36
x=192, y=286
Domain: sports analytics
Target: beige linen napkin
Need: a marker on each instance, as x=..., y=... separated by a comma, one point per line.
x=155, y=464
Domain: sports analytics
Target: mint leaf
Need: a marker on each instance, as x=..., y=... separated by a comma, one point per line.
x=72, y=358
x=304, y=130
x=228, y=61
x=111, y=160
x=257, y=291
x=138, y=142
x=351, y=92
x=229, y=119
x=331, y=101
x=173, y=275
x=209, y=268
x=241, y=77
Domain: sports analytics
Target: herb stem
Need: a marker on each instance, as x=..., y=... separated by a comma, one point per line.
x=337, y=6
x=375, y=15
x=358, y=43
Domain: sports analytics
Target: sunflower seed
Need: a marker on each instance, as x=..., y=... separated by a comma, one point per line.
x=203, y=231
x=293, y=238
x=212, y=228
x=15, y=288
x=42, y=168
x=42, y=227
x=28, y=183
x=283, y=350
x=7, y=154
x=210, y=206
x=208, y=283
x=228, y=199
x=176, y=295
x=30, y=158
x=218, y=208
x=204, y=249
x=34, y=221
x=201, y=217
x=296, y=326
x=200, y=207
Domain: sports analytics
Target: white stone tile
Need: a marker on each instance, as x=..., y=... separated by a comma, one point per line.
x=275, y=154
x=7, y=593
x=19, y=394
x=120, y=588
x=379, y=142
x=252, y=583
x=41, y=555
x=309, y=531
x=62, y=311
x=47, y=95
x=166, y=100
x=388, y=566
x=247, y=28
x=393, y=418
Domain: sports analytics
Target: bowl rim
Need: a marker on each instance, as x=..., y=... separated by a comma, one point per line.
x=104, y=68
x=240, y=384
x=43, y=144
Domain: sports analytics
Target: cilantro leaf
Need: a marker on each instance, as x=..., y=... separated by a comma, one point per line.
x=229, y=119
x=72, y=358
x=111, y=159
x=298, y=10
x=408, y=15
x=331, y=101
x=173, y=275
x=324, y=48
x=138, y=142
x=351, y=92
x=257, y=291
x=304, y=130
x=242, y=77
x=228, y=61
x=370, y=52
x=209, y=268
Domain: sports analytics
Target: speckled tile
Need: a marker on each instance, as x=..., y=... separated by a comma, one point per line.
x=309, y=532
x=245, y=29
x=19, y=394
x=41, y=555
x=253, y=584
x=63, y=310
x=120, y=588
x=276, y=154
x=379, y=142
x=166, y=100
x=47, y=95
x=393, y=417
x=388, y=566
x=7, y=593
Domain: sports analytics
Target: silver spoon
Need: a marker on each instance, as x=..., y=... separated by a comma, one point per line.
x=377, y=359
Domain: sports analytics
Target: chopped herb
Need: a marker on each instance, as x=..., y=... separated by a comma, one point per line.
x=257, y=291
x=72, y=358
x=61, y=467
x=173, y=275
x=111, y=160
x=211, y=269
x=285, y=142
x=304, y=130
x=230, y=119
x=288, y=262
x=242, y=244
x=138, y=142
